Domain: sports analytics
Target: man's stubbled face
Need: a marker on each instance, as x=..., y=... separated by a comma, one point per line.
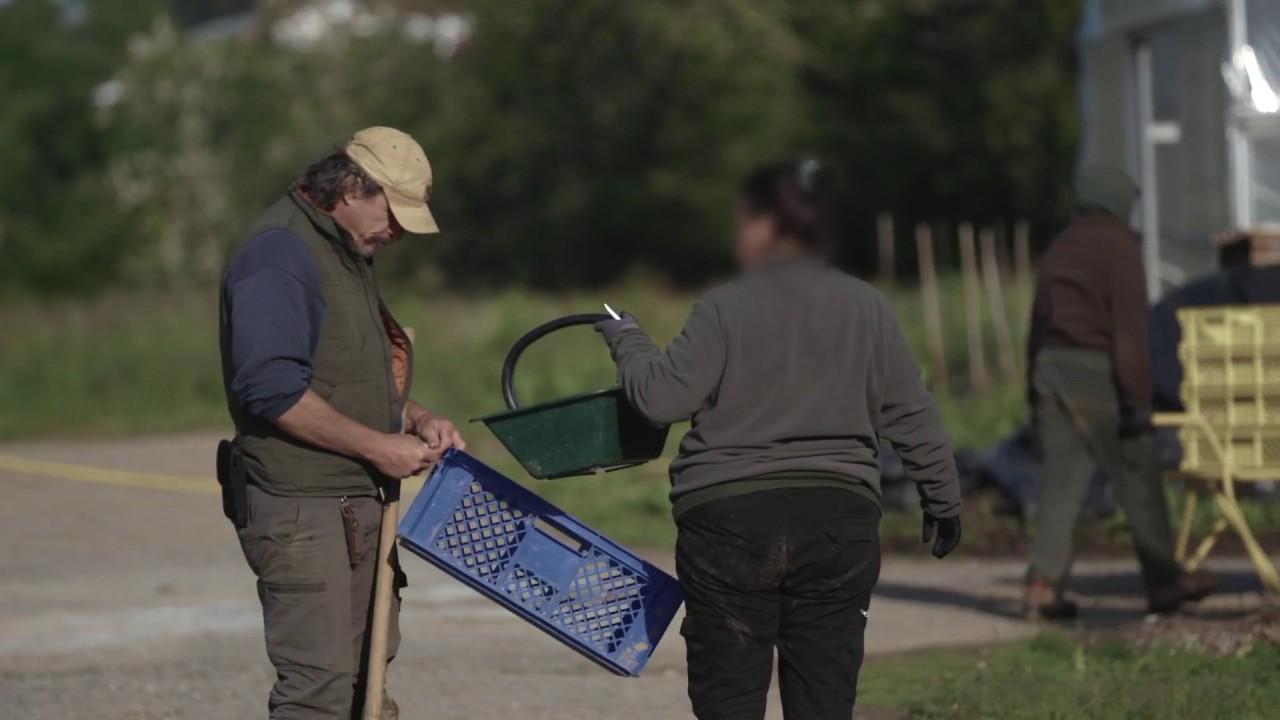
x=369, y=221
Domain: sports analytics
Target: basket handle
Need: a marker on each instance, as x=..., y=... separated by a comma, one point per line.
x=513, y=356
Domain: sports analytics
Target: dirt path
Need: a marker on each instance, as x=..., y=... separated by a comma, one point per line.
x=124, y=595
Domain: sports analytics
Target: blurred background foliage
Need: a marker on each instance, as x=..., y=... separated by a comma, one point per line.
x=583, y=150
x=575, y=142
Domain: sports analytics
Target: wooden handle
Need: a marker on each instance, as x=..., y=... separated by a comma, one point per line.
x=380, y=629
x=383, y=591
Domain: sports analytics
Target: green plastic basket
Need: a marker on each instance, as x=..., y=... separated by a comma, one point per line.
x=579, y=435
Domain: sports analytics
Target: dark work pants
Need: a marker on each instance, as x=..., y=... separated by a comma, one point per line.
x=1078, y=417
x=788, y=568
x=316, y=607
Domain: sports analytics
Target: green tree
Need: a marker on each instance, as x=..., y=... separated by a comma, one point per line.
x=60, y=227
x=942, y=110
x=578, y=139
x=214, y=131
x=572, y=140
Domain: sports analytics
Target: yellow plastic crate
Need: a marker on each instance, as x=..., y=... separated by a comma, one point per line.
x=1231, y=380
x=1230, y=431
x=1239, y=405
x=1229, y=326
x=1255, y=453
x=1231, y=364
x=1230, y=367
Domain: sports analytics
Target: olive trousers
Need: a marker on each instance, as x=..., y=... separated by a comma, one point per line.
x=1077, y=412
x=315, y=562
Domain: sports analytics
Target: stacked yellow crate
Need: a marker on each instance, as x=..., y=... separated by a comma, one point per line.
x=1231, y=381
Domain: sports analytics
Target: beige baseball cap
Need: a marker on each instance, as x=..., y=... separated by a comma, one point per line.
x=397, y=163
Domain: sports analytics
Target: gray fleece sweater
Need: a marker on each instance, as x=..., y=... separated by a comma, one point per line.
x=793, y=370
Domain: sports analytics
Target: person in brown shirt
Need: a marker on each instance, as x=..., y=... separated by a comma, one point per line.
x=1091, y=292
x=1090, y=392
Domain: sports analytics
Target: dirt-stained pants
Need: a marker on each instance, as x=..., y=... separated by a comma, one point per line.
x=316, y=605
x=1078, y=416
x=785, y=568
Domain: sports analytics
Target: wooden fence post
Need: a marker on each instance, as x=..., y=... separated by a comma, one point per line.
x=885, y=260
x=978, y=378
x=932, y=309
x=995, y=298
x=1022, y=273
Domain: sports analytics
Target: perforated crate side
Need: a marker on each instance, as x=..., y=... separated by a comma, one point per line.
x=1230, y=326
x=1231, y=364
x=1254, y=450
x=1227, y=367
x=1247, y=405
x=523, y=553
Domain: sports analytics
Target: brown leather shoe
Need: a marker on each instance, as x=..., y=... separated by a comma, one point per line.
x=1189, y=587
x=1043, y=601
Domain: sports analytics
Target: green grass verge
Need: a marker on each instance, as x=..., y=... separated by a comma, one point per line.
x=131, y=363
x=145, y=362
x=1054, y=677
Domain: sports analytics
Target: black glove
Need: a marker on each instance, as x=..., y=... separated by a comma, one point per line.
x=1135, y=423
x=948, y=534
x=612, y=329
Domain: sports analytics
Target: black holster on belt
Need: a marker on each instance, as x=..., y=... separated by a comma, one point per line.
x=231, y=476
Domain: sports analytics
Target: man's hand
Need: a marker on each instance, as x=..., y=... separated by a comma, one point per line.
x=1135, y=423
x=948, y=534
x=400, y=456
x=438, y=433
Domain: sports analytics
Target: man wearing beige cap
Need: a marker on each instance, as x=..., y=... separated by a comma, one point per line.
x=317, y=375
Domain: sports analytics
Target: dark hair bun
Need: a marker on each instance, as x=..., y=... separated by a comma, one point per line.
x=791, y=192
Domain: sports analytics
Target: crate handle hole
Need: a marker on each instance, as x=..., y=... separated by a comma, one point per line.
x=560, y=535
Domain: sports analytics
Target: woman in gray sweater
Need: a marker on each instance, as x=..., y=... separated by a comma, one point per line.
x=792, y=373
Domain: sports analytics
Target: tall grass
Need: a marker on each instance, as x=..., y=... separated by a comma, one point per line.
x=145, y=362
x=132, y=363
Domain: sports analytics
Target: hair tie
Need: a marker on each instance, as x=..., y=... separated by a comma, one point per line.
x=810, y=174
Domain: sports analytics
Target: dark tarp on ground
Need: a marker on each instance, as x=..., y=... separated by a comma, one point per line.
x=1013, y=468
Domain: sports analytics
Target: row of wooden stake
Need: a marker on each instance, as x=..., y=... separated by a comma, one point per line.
x=980, y=267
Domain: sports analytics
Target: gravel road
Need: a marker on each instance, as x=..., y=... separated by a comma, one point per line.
x=123, y=595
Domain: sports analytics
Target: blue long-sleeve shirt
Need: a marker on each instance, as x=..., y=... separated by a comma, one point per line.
x=272, y=292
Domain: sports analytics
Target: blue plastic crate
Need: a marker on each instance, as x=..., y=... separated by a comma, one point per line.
x=525, y=554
